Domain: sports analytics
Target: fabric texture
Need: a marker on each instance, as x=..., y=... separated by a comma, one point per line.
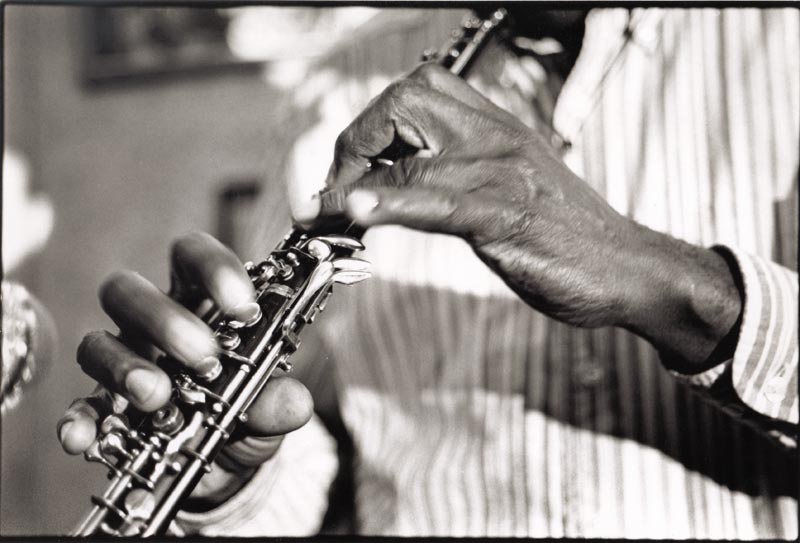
x=765, y=362
x=287, y=495
x=472, y=414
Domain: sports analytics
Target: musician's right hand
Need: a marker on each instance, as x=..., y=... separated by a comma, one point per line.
x=152, y=322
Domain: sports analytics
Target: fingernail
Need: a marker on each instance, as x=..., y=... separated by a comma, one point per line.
x=140, y=384
x=189, y=340
x=361, y=203
x=209, y=368
x=246, y=314
x=307, y=210
x=233, y=289
x=64, y=430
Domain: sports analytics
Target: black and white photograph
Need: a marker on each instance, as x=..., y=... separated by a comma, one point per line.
x=351, y=270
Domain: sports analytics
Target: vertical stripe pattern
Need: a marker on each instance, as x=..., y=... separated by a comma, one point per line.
x=472, y=414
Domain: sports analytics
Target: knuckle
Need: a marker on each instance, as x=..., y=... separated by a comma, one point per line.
x=428, y=72
x=520, y=221
x=523, y=168
x=451, y=204
x=400, y=92
x=345, y=149
x=529, y=175
x=343, y=141
x=395, y=91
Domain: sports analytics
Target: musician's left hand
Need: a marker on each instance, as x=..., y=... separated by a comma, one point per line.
x=151, y=322
x=491, y=180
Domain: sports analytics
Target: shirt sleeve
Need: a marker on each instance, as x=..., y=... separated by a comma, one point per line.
x=759, y=384
x=287, y=496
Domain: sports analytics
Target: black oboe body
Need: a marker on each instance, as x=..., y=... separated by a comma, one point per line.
x=155, y=460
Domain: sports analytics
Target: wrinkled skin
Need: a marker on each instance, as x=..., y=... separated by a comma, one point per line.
x=481, y=175
x=491, y=180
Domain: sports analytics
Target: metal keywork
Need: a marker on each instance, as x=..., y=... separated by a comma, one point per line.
x=168, y=420
x=156, y=459
x=245, y=315
x=155, y=463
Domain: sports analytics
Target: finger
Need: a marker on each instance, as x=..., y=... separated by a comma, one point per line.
x=77, y=429
x=104, y=358
x=417, y=115
x=352, y=152
x=442, y=80
x=455, y=174
x=405, y=172
x=431, y=210
x=139, y=308
x=77, y=432
x=250, y=451
x=202, y=265
x=282, y=407
x=139, y=344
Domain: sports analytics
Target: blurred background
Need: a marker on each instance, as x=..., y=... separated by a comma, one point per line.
x=126, y=127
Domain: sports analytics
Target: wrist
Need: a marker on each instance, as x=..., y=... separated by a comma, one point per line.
x=685, y=300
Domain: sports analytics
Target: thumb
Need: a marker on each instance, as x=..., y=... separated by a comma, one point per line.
x=282, y=407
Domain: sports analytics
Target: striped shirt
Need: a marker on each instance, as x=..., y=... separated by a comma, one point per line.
x=471, y=413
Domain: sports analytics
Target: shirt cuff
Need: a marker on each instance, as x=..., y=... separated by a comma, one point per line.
x=238, y=510
x=764, y=365
x=287, y=496
x=705, y=379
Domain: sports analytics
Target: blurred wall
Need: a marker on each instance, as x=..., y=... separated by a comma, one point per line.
x=128, y=168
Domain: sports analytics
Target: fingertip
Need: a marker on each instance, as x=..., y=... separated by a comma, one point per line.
x=162, y=392
x=189, y=340
x=284, y=406
x=360, y=204
x=88, y=344
x=235, y=288
x=77, y=434
x=148, y=390
x=306, y=211
x=114, y=286
x=298, y=402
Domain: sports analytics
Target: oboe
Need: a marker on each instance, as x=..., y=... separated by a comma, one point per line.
x=156, y=460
